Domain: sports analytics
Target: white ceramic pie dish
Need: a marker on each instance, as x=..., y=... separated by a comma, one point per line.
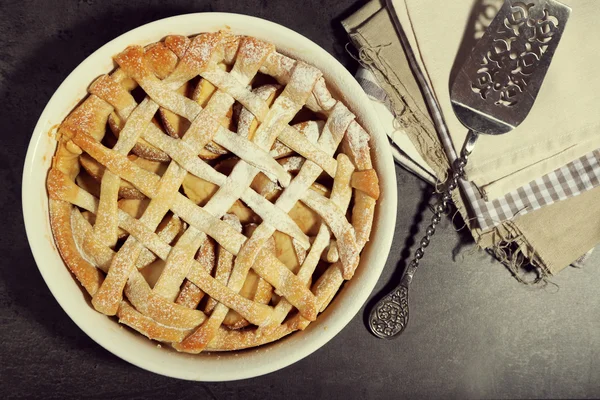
x=134, y=347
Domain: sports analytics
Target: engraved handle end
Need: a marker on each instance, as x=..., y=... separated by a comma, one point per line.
x=389, y=317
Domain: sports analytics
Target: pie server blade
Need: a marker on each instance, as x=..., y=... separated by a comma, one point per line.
x=497, y=85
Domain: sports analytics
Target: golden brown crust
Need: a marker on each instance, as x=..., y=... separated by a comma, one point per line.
x=366, y=181
x=239, y=238
x=87, y=274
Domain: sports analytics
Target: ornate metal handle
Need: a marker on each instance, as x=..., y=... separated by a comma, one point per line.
x=389, y=317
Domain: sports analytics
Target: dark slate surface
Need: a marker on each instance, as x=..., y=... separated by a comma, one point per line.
x=475, y=332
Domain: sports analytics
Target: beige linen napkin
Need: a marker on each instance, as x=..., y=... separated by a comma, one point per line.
x=550, y=238
x=403, y=150
x=555, y=132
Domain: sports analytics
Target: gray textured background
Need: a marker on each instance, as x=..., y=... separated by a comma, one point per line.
x=475, y=332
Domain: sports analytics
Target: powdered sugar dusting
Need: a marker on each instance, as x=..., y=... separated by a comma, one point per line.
x=254, y=51
x=178, y=321
x=358, y=143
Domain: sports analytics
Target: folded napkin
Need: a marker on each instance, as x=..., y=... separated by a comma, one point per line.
x=403, y=150
x=520, y=239
x=568, y=181
x=555, y=132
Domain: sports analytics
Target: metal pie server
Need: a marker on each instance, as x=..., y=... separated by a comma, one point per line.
x=492, y=94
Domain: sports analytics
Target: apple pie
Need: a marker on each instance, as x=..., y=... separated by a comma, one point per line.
x=211, y=193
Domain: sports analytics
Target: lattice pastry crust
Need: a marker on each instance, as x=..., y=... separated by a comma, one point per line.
x=203, y=218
